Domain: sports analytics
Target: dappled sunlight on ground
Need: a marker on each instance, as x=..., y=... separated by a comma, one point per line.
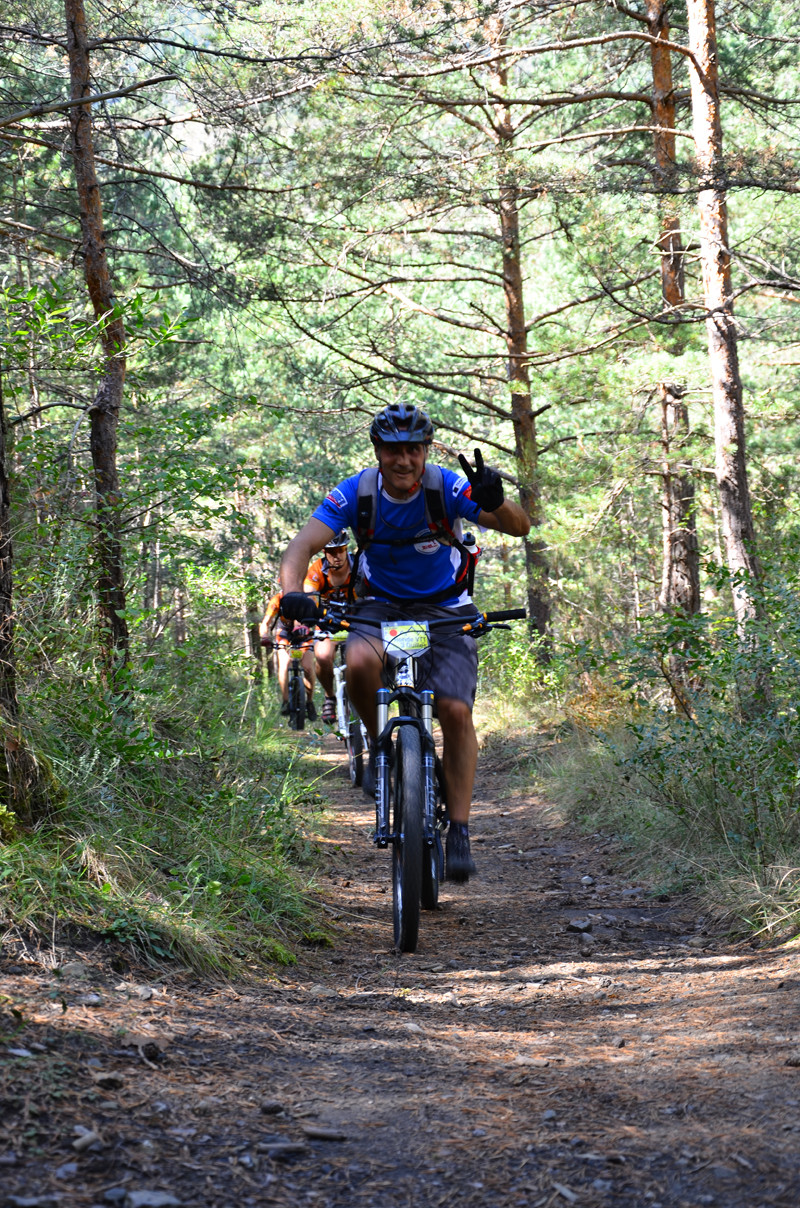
x=559, y=1037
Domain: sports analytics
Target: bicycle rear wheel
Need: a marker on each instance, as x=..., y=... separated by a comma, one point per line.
x=355, y=746
x=297, y=703
x=433, y=856
x=432, y=868
x=409, y=844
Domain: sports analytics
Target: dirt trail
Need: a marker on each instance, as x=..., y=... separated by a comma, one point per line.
x=509, y=1063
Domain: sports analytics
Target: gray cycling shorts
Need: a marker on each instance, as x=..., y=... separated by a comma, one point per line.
x=449, y=668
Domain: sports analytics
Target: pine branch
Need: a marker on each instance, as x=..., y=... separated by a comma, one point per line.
x=57, y=106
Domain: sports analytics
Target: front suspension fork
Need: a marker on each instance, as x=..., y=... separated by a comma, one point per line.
x=382, y=832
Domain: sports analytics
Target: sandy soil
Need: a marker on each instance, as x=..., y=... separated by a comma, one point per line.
x=512, y=1062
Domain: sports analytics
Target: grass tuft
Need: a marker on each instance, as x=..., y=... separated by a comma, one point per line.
x=196, y=847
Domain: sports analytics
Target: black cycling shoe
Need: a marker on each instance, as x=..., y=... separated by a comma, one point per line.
x=459, y=864
x=311, y=710
x=285, y=708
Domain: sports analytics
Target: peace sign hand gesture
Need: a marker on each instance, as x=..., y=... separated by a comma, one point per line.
x=487, y=485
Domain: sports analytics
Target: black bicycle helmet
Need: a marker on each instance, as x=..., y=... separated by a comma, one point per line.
x=400, y=423
x=338, y=540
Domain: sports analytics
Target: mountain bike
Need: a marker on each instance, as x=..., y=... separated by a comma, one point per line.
x=350, y=728
x=410, y=802
x=298, y=644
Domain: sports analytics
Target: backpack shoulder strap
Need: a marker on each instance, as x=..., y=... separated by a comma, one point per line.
x=366, y=513
x=442, y=529
x=435, y=509
x=366, y=506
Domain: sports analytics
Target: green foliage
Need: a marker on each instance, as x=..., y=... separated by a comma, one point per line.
x=183, y=831
x=269, y=313
x=510, y=667
x=708, y=765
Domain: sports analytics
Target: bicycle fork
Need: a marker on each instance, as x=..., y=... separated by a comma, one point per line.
x=429, y=766
x=383, y=833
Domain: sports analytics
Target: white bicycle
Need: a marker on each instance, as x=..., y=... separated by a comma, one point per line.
x=349, y=727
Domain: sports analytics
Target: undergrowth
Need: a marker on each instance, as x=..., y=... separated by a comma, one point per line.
x=700, y=779
x=684, y=743
x=184, y=829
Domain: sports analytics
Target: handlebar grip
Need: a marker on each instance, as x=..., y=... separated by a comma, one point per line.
x=507, y=614
x=331, y=622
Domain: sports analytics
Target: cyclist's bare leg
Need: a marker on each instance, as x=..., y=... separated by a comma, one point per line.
x=308, y=672
x=364, y=666
x=325, y=652
x=283, y=671
x=459, y=755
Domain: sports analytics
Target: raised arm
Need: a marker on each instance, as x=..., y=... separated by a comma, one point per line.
x=299, y=552
x=508, y=518
x=497, y=512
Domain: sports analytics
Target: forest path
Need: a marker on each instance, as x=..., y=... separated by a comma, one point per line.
x=507, y=1064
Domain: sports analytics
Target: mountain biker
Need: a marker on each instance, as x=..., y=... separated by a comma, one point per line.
x=329, y=576
x=276, y=630
x=406, y=569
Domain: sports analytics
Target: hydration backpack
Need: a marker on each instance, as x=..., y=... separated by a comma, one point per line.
x=432, y=484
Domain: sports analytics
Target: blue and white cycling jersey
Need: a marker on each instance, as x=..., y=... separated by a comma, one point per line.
x=413, y=571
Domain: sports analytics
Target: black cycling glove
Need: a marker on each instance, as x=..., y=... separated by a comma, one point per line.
x=297, y=606
x=487, y=485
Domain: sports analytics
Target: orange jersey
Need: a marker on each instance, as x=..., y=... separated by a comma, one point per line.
x=317, y=580
x=270, y=616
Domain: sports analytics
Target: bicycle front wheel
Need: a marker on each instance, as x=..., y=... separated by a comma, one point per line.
x=409, y=843
x=297, y=703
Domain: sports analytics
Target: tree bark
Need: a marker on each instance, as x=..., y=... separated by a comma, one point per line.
x=27, y=789
x=8, y=668
x=104, y=412
x=680, y=570
x=730, y=459
x=526, y=449
x=680, y=583
x=670, y=244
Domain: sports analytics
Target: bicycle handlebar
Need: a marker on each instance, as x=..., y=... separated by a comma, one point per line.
x=337, y=618
x=506, y=614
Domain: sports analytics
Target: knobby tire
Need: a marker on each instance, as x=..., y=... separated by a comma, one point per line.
x=409, y=846
x=297, y=703
x=355, y=747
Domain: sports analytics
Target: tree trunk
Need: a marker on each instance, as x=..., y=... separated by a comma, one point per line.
x=104, y=412
x=680, y=571
x=252, y=611
x=669, y=243
x=255, y=649
x=181, y=633
x=24, y=789
x=680, y=582
x=629, y=528
x=518, y=370
x=8, y=669
x=730, y=460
